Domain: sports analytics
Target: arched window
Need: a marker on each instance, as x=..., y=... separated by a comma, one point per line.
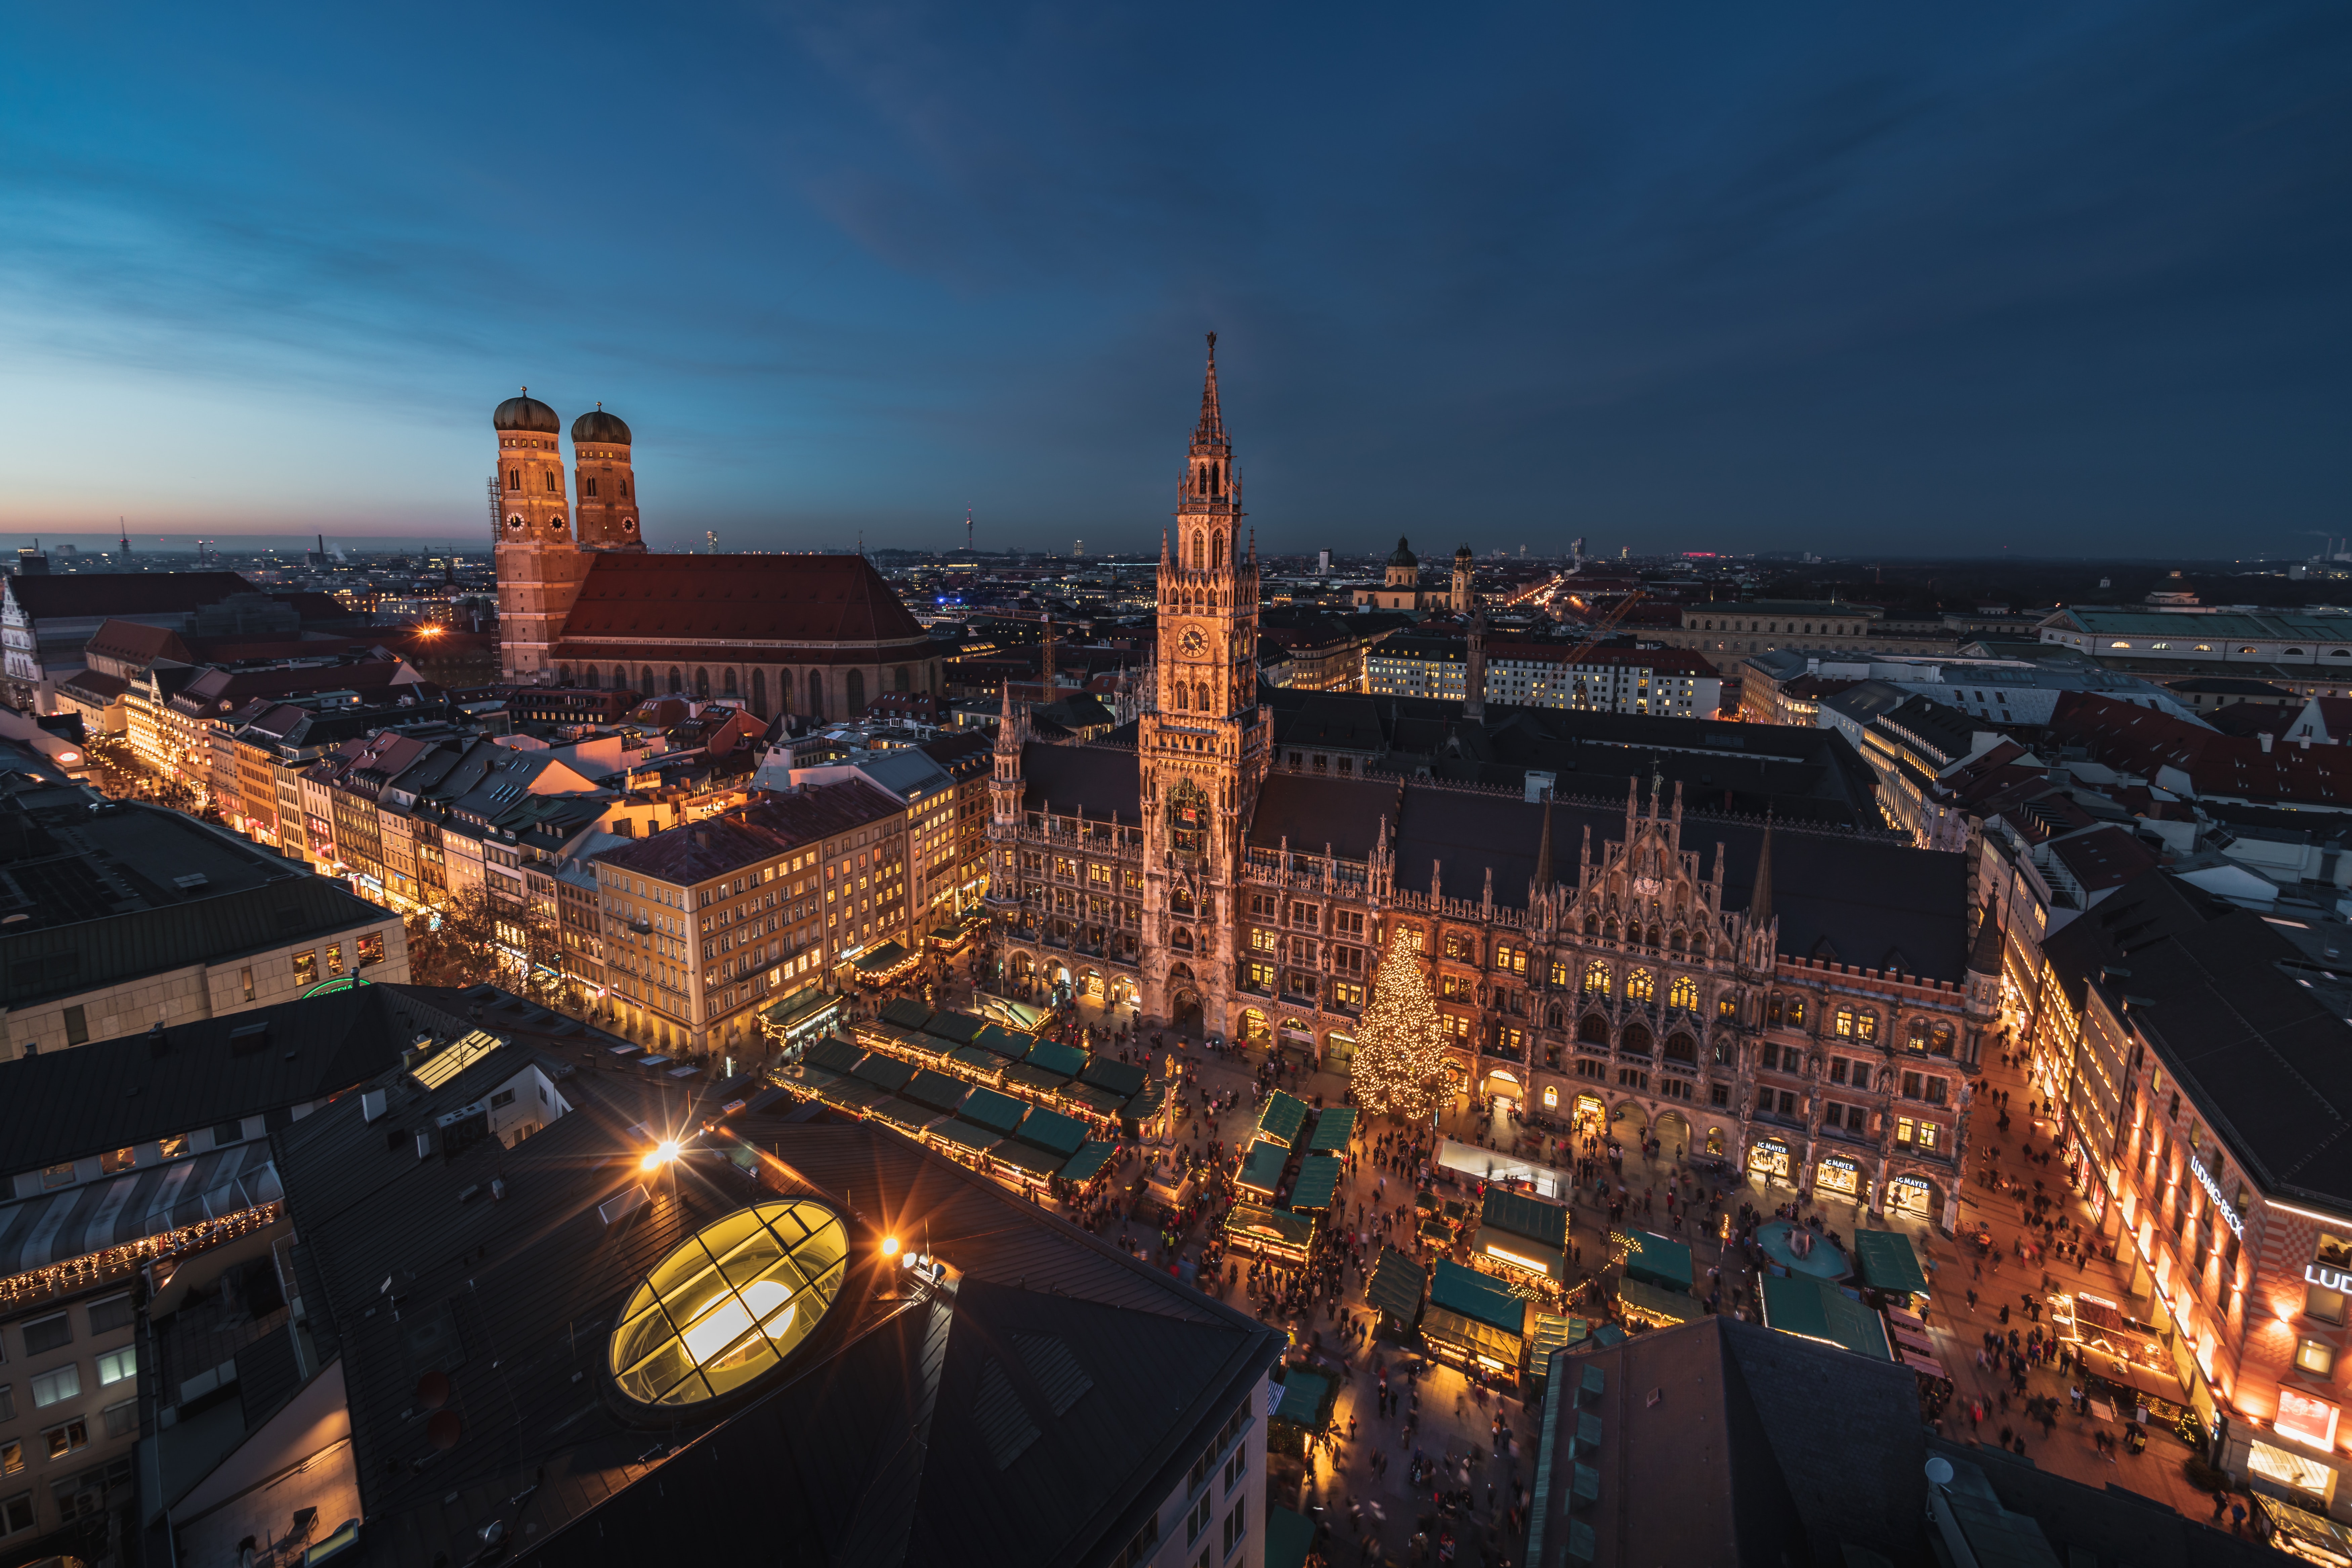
x=1939, y=1040
x=1682, y=1047
x=904, y=682
x=1183, y=697
x=1676, y=944
x=646, y=681
x=1866, y=1027
x=1596, y=978
x=514, y=479
x=676, y=682
x=1199, y=552
x=550, y=474
x=1201, y=694
x=588, y=676
x=1641, y=986
x=702, y=683
x=563, y=675
x=1796, y=1012
x=856, y=691
x=1918, y=1035
x=1682, y=994
x=760, y=693
x=1635, y=1042
x=1592, y=1030
x=1844, y=1023
x=727, y=686
x=1216, y=548
x=816, y=694
x=1552, y=1018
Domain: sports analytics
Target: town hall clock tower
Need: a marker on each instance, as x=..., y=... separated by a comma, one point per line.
x=1203, y=741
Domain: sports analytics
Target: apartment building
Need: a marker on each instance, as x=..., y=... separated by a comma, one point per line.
x=702, y=922
x=1665, y=681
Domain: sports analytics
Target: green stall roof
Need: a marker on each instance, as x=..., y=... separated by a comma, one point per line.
x=1280, y=1119
x=905, y=1115
x=1303, y=1396
x=887, y=1070
x=1002, y=1042
x=906, y=1012
x=1147, y=1102
x=957, y=1028
x=964, y=1135
x=854, y=1094
x=987, y=1108
x=832, y=1053
x=1318, y=1184
x=1655, y=1259
x=1051, y=1131
x=1124, y=1079
x=1295, y=1230
x=1083, y=1164
x=1053, y=1056
x=1799, y=1304
x=1036, y=1162
x=1332, y=1130
x=889, y=955
x=972, y=1059
x=1673, y=1305
x=936, y=1089
x=1101, y=1102
x=1396, y=1286
x=1887, y=1263
x=1479, y=1297
x=1522, y=1215
x=1289, y=1536
x=1262, y=1171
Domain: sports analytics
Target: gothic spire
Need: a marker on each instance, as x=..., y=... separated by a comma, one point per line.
x=1211, y=432
x=1760, y=897
x=1543, y=851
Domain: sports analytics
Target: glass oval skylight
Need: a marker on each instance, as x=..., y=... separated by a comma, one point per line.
x=729, y=1304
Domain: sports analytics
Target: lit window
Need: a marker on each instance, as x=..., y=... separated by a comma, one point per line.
x=2315, y=1355
x=729, y=1304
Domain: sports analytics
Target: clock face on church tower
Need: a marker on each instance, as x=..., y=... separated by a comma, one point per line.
x=1193, y=642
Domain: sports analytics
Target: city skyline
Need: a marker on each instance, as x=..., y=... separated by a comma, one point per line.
x=2058, y=284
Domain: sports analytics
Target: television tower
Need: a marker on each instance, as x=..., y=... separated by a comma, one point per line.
x=967, y=530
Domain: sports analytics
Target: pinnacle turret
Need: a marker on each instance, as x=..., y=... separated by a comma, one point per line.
x=1209, y=435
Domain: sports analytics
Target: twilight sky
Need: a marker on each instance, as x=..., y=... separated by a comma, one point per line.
x=1898, y=280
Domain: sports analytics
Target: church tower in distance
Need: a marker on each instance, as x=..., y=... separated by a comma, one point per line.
x=538, y=575
x=1203, y=741
x=608, y=485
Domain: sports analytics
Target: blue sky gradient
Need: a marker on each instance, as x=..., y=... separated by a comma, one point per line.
x=1841, y=277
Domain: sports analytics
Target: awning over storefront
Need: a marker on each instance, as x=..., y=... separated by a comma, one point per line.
x=1885, y=1261
x=146, y=1200
x=1333, y=1128
x=2297, y=1531
x=1655, y=1259
x=1262, y=1171
x=1658, y=1305
x=1084, y=1165
x=1810, y=1309
x=1927, y=1364
x=1262, y=1229
x=1280, y=1119
x=1318, y=1182
x=1396, y=1286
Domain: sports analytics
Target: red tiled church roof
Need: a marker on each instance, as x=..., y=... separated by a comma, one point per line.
x=737, y=599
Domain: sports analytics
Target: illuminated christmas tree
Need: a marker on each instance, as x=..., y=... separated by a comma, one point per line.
x=1401, y=1066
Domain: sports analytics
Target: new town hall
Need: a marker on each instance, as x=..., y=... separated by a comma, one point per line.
x=1806, y=1002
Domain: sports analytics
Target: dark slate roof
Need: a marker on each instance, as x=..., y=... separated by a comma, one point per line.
x=81, y=594
x=1100, y=780
x=1314, y=811
x=112, y=1093
x=104, y=904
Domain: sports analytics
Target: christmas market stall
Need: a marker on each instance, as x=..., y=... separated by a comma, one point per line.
x=1088, y=1164
x=1318, y=1184
x=1654, y=1306
x=1655, y=1259
x=1474, y=1320
x=1885, y=1261
x=1281, y=1120
x=1261, y=1172
x=1271, y=1233
x=1334, y=1126
x=802, y=1016
x=1394, y=1292
x=1305, y=1408
x=1548, y=1332
x=1814, y=1309
x=1519, y=1234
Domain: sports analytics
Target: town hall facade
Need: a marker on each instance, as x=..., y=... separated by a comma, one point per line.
x=1808, y=1004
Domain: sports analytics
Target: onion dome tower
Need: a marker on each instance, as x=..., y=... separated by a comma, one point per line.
x=608, y=485
x=535, y=554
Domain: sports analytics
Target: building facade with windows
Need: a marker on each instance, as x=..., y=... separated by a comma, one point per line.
x=1662, y=682
x=1804, y=1003
x=702, y=923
